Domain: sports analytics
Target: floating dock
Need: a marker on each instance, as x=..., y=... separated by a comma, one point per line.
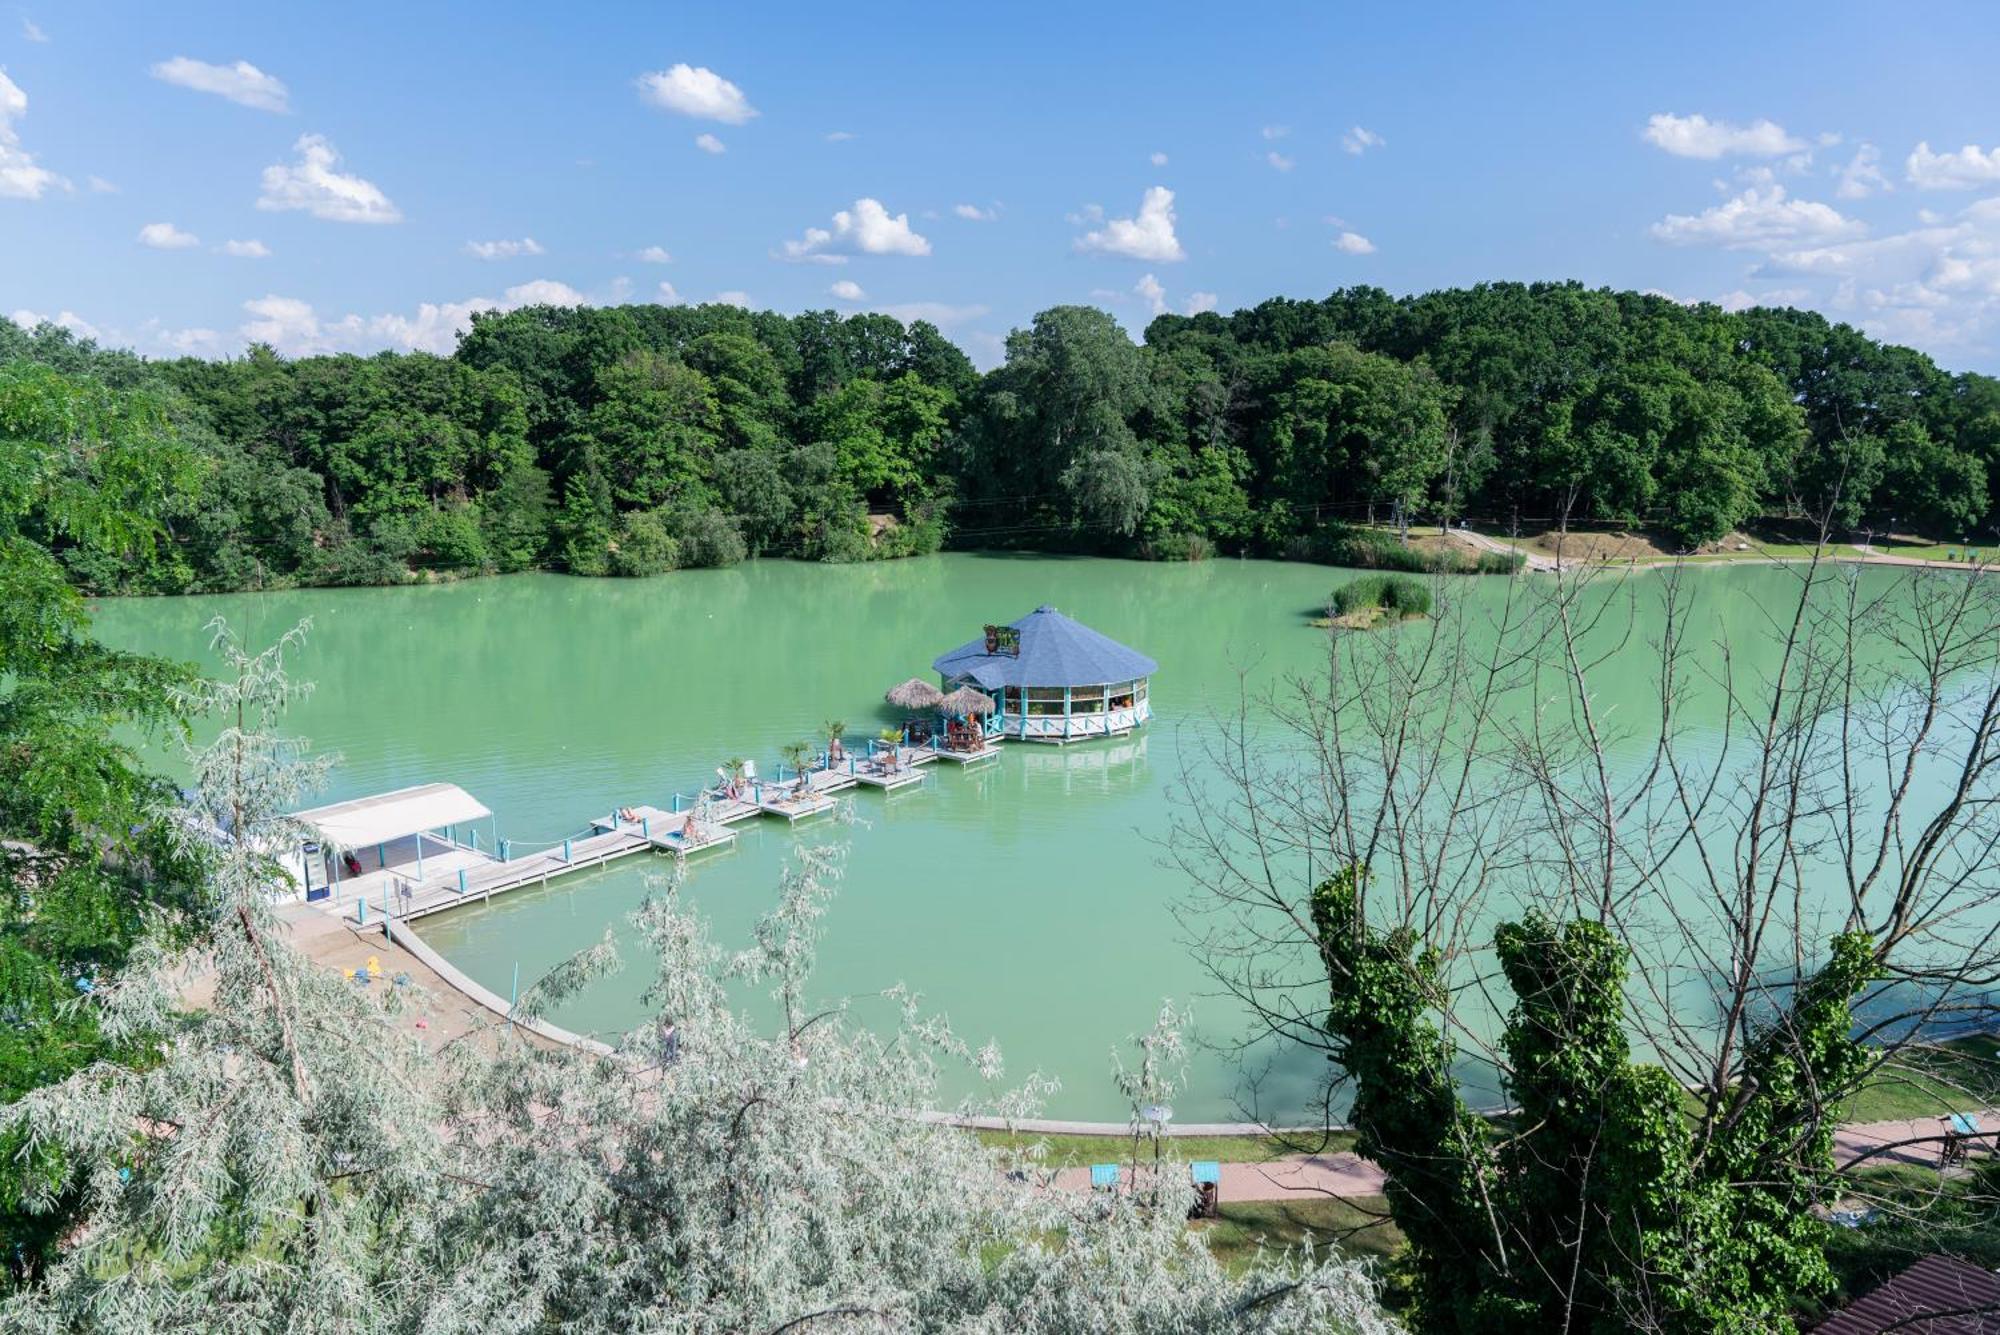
x=453, y=874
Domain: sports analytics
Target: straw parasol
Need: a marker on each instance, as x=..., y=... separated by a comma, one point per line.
x=916, y=693
x=967, y=701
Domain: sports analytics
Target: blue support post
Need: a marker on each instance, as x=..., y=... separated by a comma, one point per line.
x=506, y=850
x=361, y=912
x=475, y=838
x=461, y=880
x=646, y=828
x=565, y=850
x=381, y=858
x=420, y=855
x=677, y=804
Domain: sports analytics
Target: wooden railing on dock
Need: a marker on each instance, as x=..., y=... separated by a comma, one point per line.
x=689, y=825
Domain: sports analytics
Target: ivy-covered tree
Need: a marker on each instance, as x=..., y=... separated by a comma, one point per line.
x=1598, y=985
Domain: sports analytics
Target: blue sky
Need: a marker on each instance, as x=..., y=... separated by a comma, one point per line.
x=988, y=162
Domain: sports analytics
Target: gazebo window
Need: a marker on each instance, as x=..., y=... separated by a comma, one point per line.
x=1046, y=700
x=1086, y=699
x=1139, y=690
x=1121, y=696
x=1011, y=701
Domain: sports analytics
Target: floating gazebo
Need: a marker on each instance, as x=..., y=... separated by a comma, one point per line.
x=1053, y=679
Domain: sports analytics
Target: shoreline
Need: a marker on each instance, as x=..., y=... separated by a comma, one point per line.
x=1542, y=563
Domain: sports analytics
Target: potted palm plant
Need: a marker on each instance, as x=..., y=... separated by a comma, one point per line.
x=835, y=752
x=795, y=756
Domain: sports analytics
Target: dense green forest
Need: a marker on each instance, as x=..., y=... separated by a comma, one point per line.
x=636, y=439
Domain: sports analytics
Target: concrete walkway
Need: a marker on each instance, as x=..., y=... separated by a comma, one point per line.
x=1876, y=1144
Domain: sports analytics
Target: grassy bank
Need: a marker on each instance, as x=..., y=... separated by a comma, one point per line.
x=1079, y=1151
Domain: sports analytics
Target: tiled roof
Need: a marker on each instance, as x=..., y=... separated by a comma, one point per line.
x=1055, y=651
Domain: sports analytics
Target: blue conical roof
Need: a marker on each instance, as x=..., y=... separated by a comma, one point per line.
x=1055, y=651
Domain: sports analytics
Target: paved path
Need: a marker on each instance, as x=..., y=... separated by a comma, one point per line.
x=1869, y=556
x=1878, y=1144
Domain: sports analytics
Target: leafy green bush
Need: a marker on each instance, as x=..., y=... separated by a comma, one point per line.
x=1397, y=595
x=450, y=539
x=644, y=546
x=707, y=537
x=919, y=534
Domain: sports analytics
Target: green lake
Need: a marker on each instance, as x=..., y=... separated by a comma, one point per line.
x=1027, y=900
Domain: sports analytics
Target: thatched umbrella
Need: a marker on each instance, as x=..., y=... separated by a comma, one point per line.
x=914, y=694
x=965, y=701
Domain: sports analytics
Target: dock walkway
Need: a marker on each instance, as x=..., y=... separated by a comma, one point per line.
x=689, y=825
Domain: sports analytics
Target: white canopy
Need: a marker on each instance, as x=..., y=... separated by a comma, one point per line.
x=362, y=821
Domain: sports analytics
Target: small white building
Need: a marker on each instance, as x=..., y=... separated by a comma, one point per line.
x=368, y=845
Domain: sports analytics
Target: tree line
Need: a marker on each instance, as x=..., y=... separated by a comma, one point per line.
x=636, y=439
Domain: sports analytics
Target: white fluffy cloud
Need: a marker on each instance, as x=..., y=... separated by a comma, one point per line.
x=973, y=213
x=1158, y=159
x=1353, y=243
x=1197, y=302
x=732, y=297
x=311, y=183
x=1358, y=141
x=246, y=250
x=1862, y=176
x=1757, y=218
x=667, y=295
x=848, y=290
x=242, y=82
x=296, y=329
x=942, y=314
x=656, y=255
x=866, y=229
x=1740, y=300
x=708, y=143
x=32, y=31
x=1968, y=167
x=1279, y=162
x=696, y=90
x=166, y=236
x=1935, y=286
x=503, y=250
x=1152, y=293
x=1699, y=137
x=20, y=176
x=69, y=320
x=1149, y=236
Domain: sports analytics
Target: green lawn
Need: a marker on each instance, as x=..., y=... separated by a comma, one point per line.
x=1958, y=1076
x=1357, y=1227
x=1074, y=1151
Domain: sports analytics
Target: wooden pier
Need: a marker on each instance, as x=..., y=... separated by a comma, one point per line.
x=689, y=826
